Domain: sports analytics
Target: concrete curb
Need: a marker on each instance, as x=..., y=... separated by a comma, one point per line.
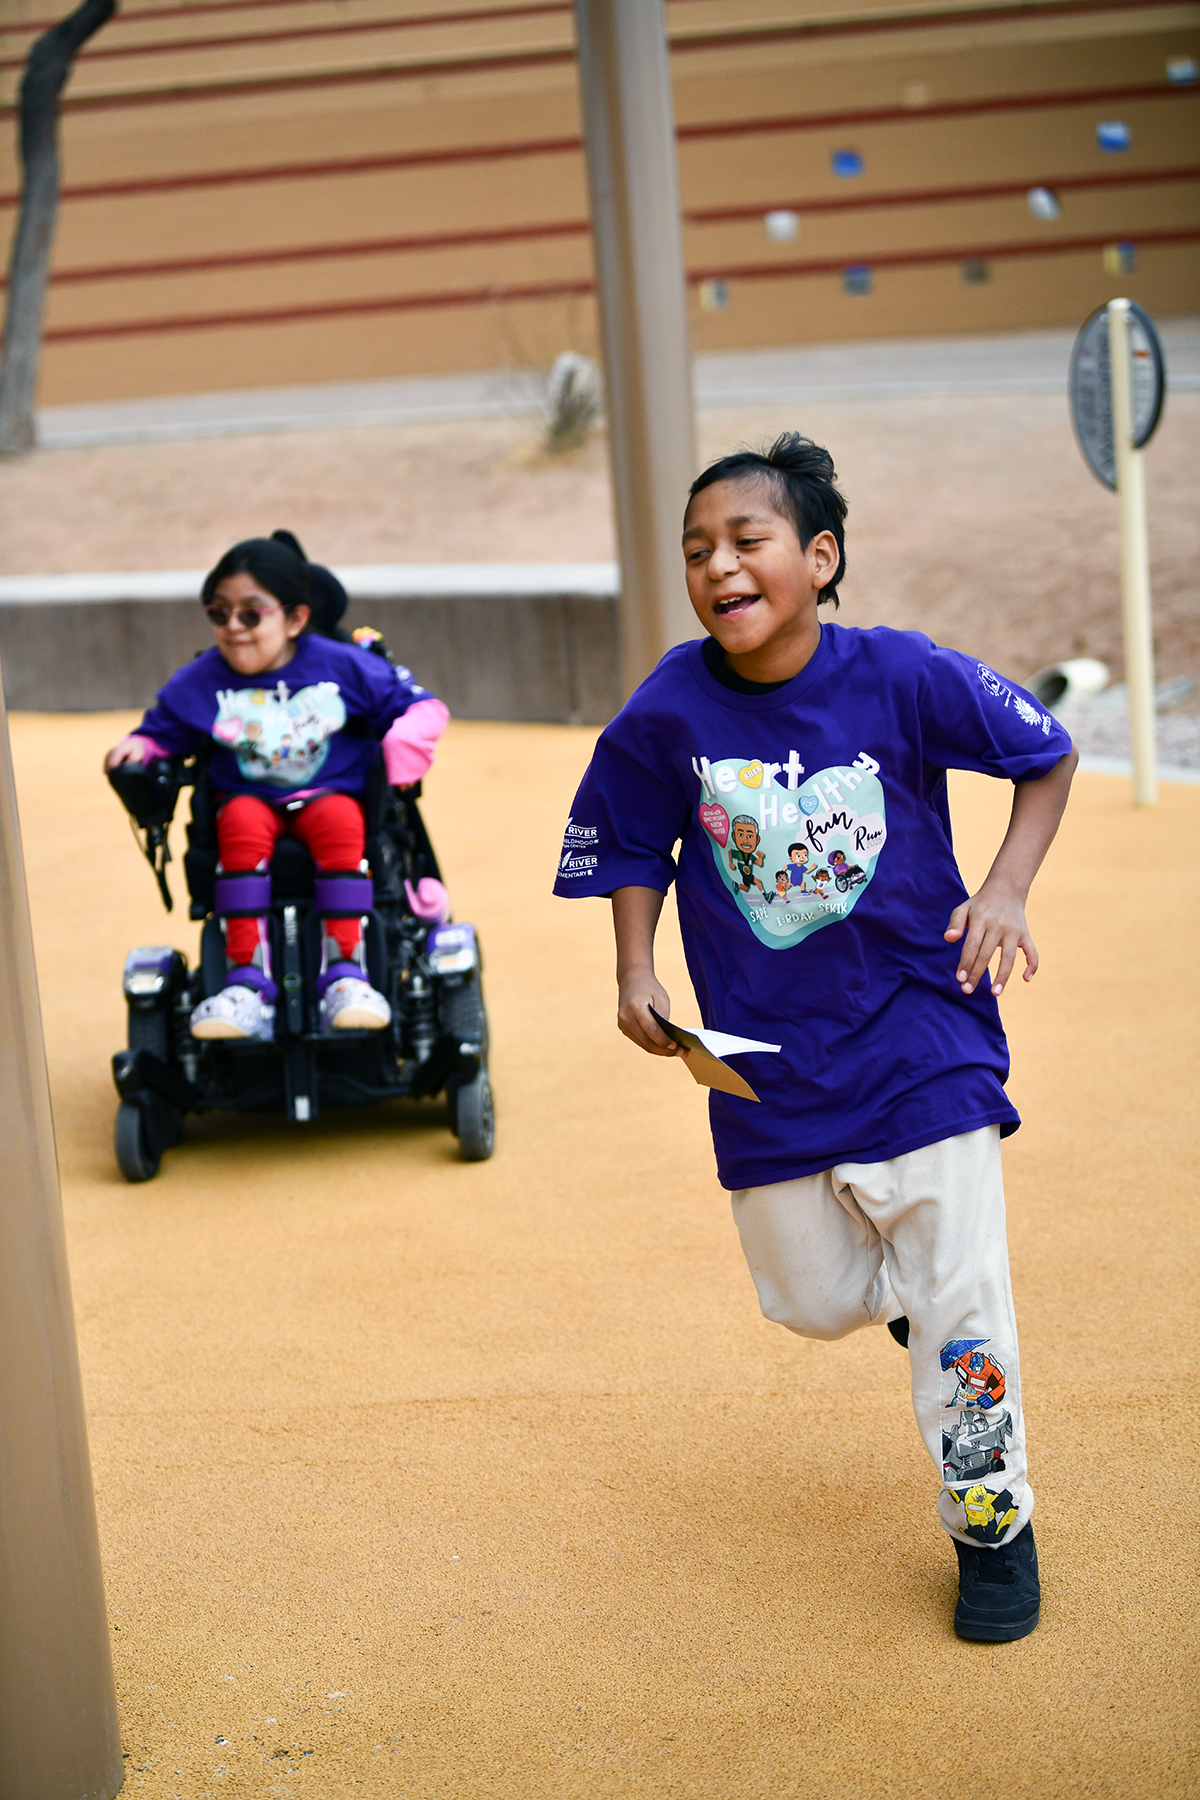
x=526, y=641
x=1015, y=362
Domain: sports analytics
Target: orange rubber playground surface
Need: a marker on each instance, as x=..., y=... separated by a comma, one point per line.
x=419, y=1478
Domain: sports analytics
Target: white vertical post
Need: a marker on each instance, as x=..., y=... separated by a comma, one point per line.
x=628, y=120
x=1135, y=560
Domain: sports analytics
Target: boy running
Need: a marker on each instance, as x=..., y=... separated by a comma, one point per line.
x=867, y=1185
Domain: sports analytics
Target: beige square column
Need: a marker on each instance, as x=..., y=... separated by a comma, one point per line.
x=629, y=133
x=58, y=1708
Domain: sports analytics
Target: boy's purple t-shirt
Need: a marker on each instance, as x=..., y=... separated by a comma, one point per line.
x=314, y=724
x=882, y=1051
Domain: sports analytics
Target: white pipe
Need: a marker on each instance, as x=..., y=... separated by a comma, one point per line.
x=1135, y=561
x=1063, y=685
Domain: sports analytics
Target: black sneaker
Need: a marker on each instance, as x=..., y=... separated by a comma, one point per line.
x=899, y=1330
x=999, y=1595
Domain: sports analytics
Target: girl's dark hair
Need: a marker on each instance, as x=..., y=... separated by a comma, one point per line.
x=279, y=565
x=329, y=598
x=801, y=480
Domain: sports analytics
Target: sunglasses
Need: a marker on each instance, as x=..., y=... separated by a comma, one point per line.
x=248, y=617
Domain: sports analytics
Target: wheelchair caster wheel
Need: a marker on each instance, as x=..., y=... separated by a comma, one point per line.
x=134, y=1156
x=475, y=1119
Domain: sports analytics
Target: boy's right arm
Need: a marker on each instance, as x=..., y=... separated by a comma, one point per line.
x=635, y=919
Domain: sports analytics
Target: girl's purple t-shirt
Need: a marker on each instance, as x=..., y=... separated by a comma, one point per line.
x=882, y=1051
x=315, y=724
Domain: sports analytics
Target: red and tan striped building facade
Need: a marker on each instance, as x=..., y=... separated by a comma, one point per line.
x=268, y=192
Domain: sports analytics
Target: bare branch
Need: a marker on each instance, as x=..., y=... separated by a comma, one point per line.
x=45, y=75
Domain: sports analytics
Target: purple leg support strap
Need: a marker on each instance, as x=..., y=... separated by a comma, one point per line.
x=242, y=896
x=343, y=896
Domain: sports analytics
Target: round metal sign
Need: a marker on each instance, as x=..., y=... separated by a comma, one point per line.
x=1090, y=388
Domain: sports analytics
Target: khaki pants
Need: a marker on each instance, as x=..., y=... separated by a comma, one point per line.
x=920, y=1236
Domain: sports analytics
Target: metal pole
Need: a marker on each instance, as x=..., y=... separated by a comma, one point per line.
x=1135, y=561
x=629, y=131
x=59, y=1738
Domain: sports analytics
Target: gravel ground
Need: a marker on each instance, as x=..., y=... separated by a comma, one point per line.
x=972, y=517
x=1104, y=731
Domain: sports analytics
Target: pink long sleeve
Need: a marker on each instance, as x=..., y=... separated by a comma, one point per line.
x=152, y=751
x=411, y=740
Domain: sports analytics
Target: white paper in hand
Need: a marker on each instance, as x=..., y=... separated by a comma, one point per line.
x=705, y=1049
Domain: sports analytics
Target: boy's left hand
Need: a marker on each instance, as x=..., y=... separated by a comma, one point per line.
x=991, y=920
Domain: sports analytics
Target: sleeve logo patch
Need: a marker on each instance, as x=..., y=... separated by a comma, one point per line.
x=578, y=860
x=1024, y=709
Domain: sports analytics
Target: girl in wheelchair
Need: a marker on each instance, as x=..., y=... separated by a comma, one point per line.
x=292, y=712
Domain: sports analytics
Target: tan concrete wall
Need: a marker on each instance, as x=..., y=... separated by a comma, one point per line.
x=399, y=91
x=538, y=657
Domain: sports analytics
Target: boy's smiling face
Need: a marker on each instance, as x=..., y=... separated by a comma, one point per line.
x=750, y=582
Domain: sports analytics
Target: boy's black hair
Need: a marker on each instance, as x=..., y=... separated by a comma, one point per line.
x=792, y=847
x=802, y=482
x=279, y=565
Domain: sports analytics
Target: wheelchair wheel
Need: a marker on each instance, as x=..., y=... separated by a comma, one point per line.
x=134, y=1157
x=475, y=1119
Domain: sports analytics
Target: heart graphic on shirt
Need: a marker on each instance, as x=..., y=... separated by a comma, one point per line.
x=715, y=821
x=795, y=858
x=279, y=737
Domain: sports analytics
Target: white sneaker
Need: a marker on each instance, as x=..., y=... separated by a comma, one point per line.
x=350, y=1005
x=236, y=1012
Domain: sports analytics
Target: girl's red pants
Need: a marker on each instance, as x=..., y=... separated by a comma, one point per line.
x=332, y=830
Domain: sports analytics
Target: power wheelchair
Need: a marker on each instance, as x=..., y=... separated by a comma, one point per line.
x=436, y=1043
